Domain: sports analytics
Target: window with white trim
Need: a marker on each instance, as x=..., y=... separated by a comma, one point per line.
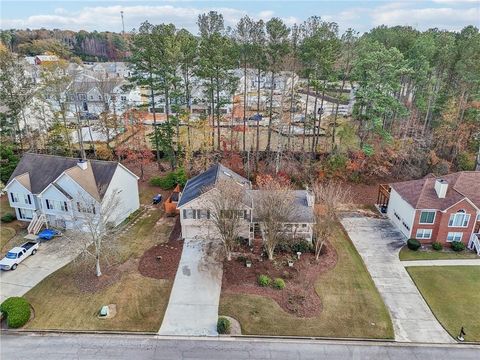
x=427, y=217
x=27, y=199
x=14, y=197
x=56, y=205
x=424, y=234
x=86, y=208
x=454, y=236
x=25, y=214
x=459, y=219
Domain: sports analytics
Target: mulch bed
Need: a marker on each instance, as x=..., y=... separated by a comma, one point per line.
x=87, y=281
x=161, y=261
x=176, y=231
x=298, y=297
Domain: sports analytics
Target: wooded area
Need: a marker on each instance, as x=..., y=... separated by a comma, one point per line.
x=416, y=110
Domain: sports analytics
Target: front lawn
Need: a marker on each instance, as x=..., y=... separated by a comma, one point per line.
x=350, y=303
x=429, y=254
x=71, y=297
x=453, y=294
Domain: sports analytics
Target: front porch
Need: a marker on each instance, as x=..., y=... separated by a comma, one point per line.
x=474, y=243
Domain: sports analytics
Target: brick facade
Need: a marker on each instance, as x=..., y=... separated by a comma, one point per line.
x=440, y=227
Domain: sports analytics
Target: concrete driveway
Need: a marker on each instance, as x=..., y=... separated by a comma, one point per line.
x=51, y=256
x=379, y=243
x=193, y=305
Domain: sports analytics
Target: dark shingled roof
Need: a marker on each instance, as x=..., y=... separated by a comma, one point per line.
x=421, y=193
x=196, y=185
x=302, y=212
x=44, y=169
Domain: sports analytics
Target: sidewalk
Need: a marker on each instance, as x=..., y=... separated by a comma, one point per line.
x=450, y=262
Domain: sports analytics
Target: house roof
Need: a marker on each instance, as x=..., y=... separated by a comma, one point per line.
x=421, y=193
x=43, y=170
x=197, y=185
x=302, y=212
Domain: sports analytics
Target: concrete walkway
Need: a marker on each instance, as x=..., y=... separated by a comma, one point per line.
x=446, y=262
x=379, y=243
x=193, y=305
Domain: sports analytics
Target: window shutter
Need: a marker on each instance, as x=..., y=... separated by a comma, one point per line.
x=208, y=214
x=184, y=214
x=48, y=203
x=66, y=207
x=12, y=197
x=29, y=199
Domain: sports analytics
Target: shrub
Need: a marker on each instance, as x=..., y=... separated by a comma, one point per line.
x=413, y=244
x=303, y=246
x=223, y=325
x=8, y=217
x=279, y=283
x=17, y=311
x=457, y=246
x=437, y=246
x=170, y=180
x=283, y=246
x=264, y=280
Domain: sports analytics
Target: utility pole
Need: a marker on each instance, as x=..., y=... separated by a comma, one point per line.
x=123, y=24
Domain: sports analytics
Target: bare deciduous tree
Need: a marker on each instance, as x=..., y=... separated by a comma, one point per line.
x=274, y=206
x=322, y=231
x=331, y=194
x=225, y=203
x=96, y=226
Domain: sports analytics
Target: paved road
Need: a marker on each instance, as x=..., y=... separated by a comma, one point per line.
x=193, y=305
x=51, y=256
x=456, y=262
x=379, y=243
x=129, y=347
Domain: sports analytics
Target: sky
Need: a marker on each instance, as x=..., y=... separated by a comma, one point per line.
x=360, y=15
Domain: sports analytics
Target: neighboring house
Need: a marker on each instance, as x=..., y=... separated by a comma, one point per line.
x=61, y=189
x=442, y=209
x=195, y=212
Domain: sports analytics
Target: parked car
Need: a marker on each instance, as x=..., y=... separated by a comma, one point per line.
x=17, y=255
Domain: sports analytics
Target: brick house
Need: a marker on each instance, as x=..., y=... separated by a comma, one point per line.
x=442, y=209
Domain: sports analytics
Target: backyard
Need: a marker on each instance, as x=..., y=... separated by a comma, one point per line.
x=71, y=297
x=441, y=286
x=347, y=304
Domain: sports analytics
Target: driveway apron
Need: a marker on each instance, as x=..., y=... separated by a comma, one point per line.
x=193, y=305
x=379, y=243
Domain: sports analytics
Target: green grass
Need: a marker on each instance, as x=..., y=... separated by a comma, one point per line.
x=453, y=294
x=407, y=254
x=352, y=306
x=141, y=301
x=6, y=233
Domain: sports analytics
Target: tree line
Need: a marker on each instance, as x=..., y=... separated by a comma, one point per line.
x=417, y=97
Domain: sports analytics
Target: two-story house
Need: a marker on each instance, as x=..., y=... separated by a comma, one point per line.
x=442, y=209
x=195, y=207
x=61, y=189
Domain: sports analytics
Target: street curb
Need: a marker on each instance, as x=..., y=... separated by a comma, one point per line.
x=233, y=337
